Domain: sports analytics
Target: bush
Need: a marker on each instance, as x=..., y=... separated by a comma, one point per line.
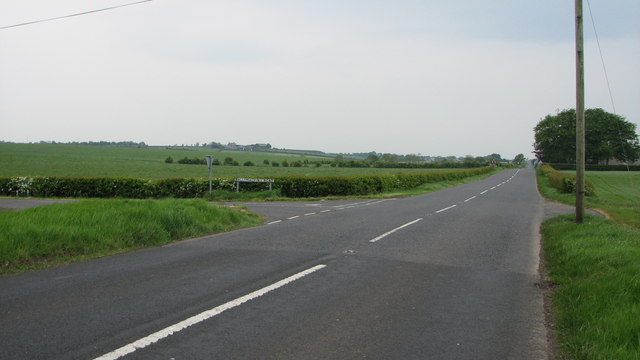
x=169, y=160
x=565, y=183
x=289, y=185
x=248, y=163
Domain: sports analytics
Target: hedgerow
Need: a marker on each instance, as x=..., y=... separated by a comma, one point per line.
x=289, y=185
x=563, y=182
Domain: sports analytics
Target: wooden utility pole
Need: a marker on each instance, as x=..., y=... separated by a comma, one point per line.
x=580, y=148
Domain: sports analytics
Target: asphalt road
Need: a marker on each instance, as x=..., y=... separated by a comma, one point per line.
x=447, y=275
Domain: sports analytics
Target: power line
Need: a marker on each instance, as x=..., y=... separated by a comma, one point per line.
x=606, y=76
x=72, y=15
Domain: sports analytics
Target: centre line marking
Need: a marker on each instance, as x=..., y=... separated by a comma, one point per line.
x=394, y=230
x=324, y=211
x=445, y=209
x=170, y=330
x=471, y=198
x=274, y=222
x=293, y=217
x=307, y=214
x=484, y=192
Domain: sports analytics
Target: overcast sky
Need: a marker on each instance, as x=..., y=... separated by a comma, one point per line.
x=430, y=77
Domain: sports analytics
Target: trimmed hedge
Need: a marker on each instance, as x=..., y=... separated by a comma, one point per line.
x=565, y=183
x=318, y=186
x=595, y=167
x=290, y=186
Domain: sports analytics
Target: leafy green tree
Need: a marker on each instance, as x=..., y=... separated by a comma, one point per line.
x=607, y=136
x=519, y=159
x=228, y=161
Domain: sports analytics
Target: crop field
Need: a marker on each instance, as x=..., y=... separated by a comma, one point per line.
x=149, y=162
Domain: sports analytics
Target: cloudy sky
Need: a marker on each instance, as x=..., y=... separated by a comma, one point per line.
x=434, y=77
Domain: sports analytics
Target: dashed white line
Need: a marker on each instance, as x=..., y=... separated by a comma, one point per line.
x=309, y=214
x=471, y=198
x=324, y=211
x=274, y=222
x=484, y=192
x=293, y=217
x=445, y=209
x=170, y=330
x=394, y=230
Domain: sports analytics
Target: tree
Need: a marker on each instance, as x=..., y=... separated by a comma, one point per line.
x=607, y=136
x=519, y=160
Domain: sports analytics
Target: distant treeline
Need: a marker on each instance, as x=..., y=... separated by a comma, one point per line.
x=97, y=143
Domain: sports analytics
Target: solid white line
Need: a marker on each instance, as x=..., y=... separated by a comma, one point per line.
x=484, y=192
x=293, y=217
x=159, y=335
x=307, y=214
x=471, y=198
x=394, y=230
x=445, y=209
x=274, y=222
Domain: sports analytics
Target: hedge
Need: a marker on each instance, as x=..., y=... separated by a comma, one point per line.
x=565, y=183
x=597, y=167
x=289, y=185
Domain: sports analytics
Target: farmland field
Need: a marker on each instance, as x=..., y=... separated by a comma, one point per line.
x=149, y=162
x=616, y=192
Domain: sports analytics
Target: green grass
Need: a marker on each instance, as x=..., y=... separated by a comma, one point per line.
x=597, y=269
x=616, y=192
x=148, y=162
x=48, y=235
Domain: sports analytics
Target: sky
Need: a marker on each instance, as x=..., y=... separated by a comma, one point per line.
x=429, y=77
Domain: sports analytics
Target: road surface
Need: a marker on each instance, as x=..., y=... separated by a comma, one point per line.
x=447, y=275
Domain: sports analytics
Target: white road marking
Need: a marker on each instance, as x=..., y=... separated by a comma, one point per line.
x=484, y=192
x=308, y=214
x=324, y=211
x=274, y=222
x=170, y=330
x=445, y=209
x=293, y=217
x=394, y=230
x=471, y=198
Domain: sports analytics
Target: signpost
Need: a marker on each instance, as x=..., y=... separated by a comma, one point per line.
x=239, y=180
x=210, y=165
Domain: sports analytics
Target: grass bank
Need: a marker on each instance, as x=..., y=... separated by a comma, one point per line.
x=597, y=303
x=596, y=269
x=44, y=236
x=616, y=192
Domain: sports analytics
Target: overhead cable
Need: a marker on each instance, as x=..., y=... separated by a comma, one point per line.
x=72, y=15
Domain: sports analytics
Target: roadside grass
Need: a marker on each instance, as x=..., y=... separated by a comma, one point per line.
x=40, y=237
x=616, y=192
x=596, y=268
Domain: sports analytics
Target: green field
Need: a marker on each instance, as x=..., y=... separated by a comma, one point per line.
x=616, y=192
x=596, y=271
x=149, y=162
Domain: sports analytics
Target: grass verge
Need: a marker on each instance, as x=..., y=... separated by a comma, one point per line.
x=596, y=268
x=49, y=235
x=597, y=300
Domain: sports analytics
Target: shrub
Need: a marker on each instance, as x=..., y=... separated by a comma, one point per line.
x=169, y=160
x=248, y=163
x=565, y=183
